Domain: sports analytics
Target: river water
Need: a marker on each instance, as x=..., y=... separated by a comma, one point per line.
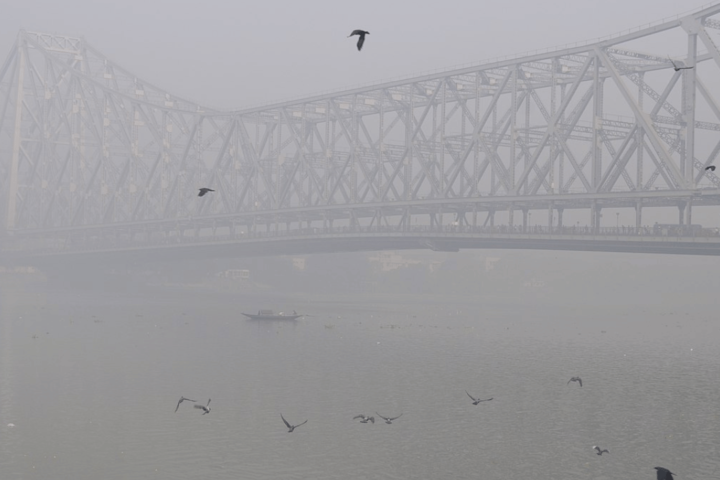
x=90, y=381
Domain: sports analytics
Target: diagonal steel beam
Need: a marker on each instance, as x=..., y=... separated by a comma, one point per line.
x=481, y=124
x=618, y=163
x=411, y=140
x=644, y=120
x=579, y=78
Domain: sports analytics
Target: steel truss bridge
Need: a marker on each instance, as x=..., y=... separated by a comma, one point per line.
x=93, y=159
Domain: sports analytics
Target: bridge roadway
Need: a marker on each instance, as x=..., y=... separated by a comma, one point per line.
x=446, y=238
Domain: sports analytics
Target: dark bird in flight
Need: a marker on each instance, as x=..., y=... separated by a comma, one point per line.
x=203, y=191
x=182, y=399
x=711, y=168
x=364, y=418
x=477, y=400
x=600, y=452
x=675, y=66
x=291, y=427
x=204, y=408
x=388, y=420
x=361, y=40
x=576, y=379
x=664, y=474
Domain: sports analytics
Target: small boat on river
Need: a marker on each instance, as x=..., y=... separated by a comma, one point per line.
x=270, y=315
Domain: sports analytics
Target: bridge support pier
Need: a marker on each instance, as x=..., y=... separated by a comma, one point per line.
x=638, y=215
x=681, y=213
x=595, y=216
x=559, y=222
x=550, y=217
x=511, y=220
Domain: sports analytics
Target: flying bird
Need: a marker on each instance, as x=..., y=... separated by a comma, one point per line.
x=204, y=408
x=600, y=452
x=477, y=400
x=675, y=66
x=361, y=40
x=388, y=420
x=711, y=168
x=576, y=379
x=291, y=427
x=364, y=418
x=204, y=190
x=664, y=474
x=182, y=399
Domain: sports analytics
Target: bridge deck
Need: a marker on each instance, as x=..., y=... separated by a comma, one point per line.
x=328, y=240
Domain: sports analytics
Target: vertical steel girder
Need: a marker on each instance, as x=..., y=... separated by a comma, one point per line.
x=84, y=143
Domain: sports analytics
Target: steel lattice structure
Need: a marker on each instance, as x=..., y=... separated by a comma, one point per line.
x=87, y=146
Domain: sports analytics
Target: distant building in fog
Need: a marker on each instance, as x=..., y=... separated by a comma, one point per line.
x=28, y=270
x=490, y=263
x=389, y=261
x=534, y=283
x=235, y=274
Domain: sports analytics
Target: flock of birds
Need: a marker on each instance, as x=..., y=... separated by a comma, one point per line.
x=363, y=418
x=662, y=473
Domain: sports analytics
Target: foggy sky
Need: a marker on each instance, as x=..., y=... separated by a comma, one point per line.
x=232, y=54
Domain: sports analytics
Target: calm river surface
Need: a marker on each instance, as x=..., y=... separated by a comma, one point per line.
x=90, y=381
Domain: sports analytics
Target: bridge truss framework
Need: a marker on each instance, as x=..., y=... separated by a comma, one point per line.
x=88, y=149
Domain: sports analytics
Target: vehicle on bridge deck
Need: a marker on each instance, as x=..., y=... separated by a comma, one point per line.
x=671, y=229
x=270, y=315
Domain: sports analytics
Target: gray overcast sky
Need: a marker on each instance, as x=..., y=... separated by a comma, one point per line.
x=238, y=53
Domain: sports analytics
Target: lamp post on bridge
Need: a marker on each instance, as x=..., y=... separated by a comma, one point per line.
x=617, y=220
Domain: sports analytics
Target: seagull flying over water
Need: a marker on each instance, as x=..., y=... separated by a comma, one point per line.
x=477, y=400
x=576, y=379
x=361, y=40
x=675, y=66
x=711, y=168
x=664, y=474
x=291, y=427
x=204, y=190
x=182, y=399
x=204, y=408
x=364, y=418
x=388, y=420
x=600, y=452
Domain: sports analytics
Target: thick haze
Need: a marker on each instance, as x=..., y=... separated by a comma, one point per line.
x=93, y=361
x=233, y=54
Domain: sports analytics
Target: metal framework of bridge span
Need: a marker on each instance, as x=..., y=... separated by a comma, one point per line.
x=90, y=151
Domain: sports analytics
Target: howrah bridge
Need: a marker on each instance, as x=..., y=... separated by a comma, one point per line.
x=96, y=163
